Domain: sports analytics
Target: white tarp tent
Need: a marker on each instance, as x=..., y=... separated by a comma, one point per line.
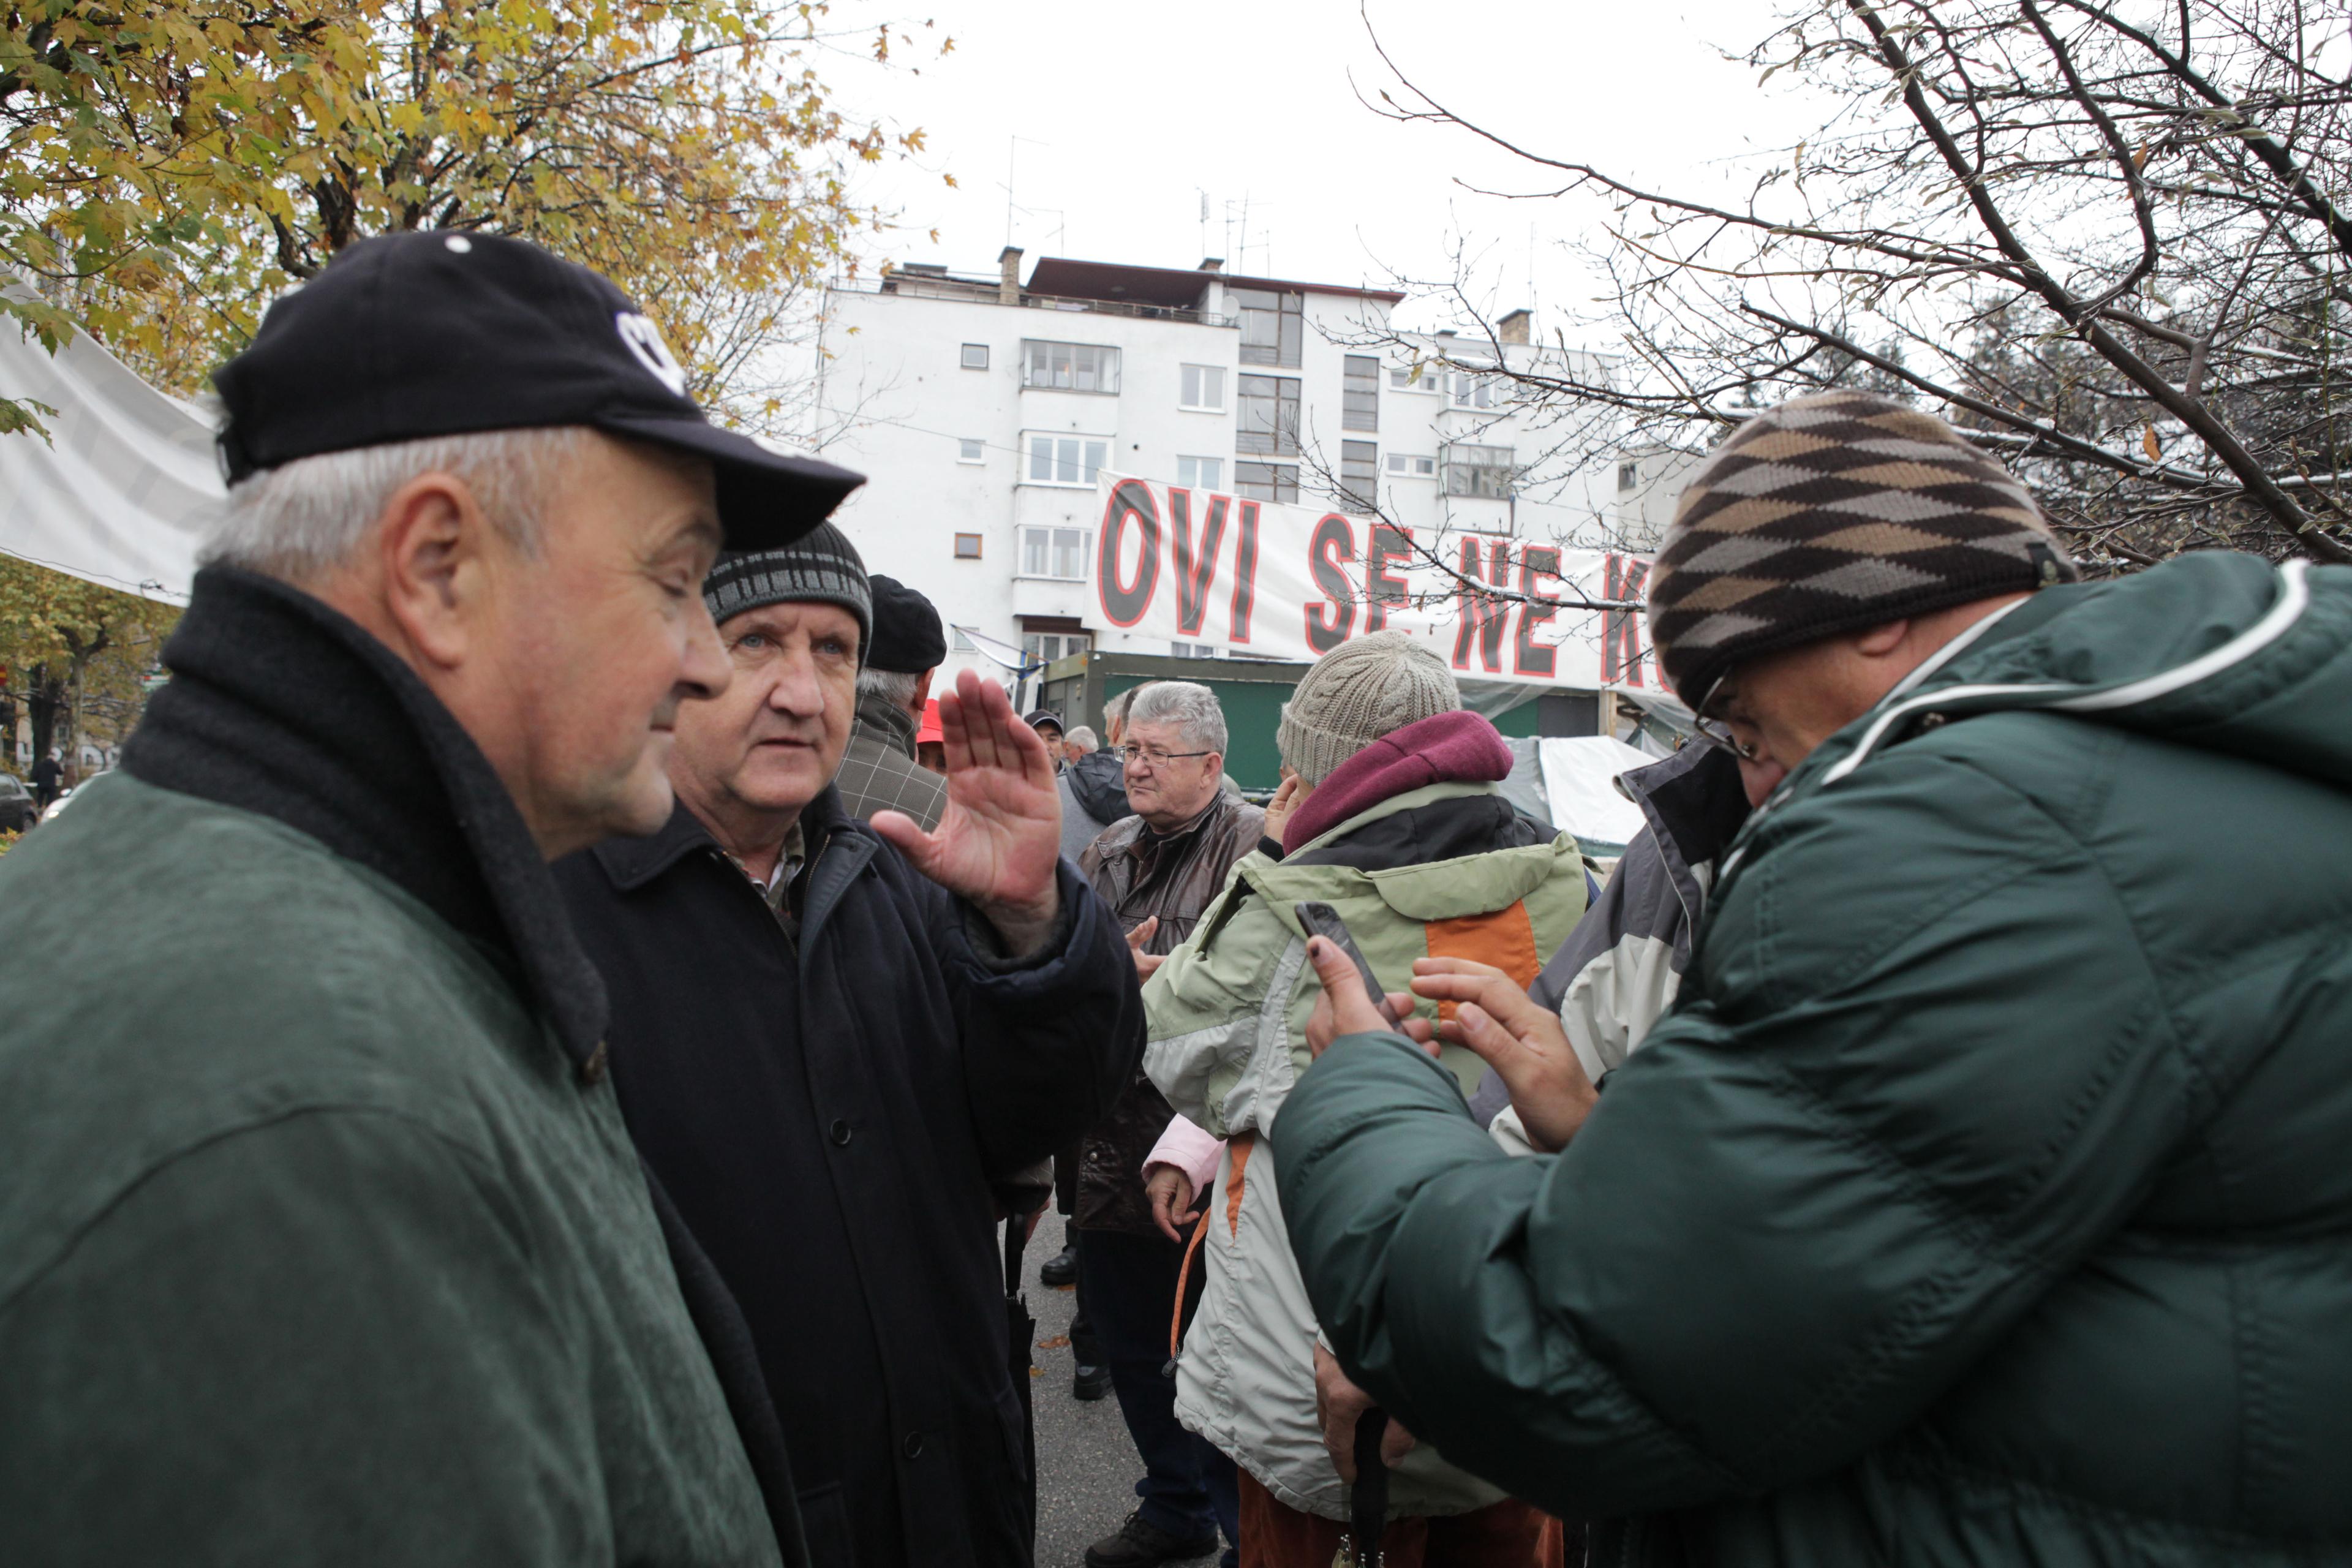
x=1580, y=781
x=126, y=486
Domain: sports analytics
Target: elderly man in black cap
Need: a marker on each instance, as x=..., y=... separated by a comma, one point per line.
x=832, y=1039
x=1048, y=725
x=878, y=771
x=322, y=1239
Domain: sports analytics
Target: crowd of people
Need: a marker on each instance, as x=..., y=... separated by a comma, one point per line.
x=552, y=1044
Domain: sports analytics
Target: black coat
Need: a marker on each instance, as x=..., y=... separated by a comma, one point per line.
x=827, y=1111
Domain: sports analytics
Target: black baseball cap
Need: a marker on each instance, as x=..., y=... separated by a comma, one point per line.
x=406, y=336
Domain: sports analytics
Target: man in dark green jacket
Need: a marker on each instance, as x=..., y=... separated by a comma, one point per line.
x=320, y=1238
x=1982, y=1199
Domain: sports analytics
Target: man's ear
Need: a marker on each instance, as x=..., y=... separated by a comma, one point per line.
x=922, y=697
x=431, y=548
x=1880, y=641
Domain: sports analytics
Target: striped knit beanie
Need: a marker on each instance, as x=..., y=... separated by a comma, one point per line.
x=823, y=567
x=1832, y=514
x=1364, y=689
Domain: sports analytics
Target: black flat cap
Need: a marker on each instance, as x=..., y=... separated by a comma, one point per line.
x=908, y=637
x=412, y=335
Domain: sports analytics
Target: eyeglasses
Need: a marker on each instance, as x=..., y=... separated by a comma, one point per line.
x=1152, y=756
x=1715, y=732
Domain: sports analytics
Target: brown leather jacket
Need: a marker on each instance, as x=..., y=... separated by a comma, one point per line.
x=1173, y=876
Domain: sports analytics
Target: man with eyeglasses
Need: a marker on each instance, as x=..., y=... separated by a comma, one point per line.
x=1158, y=869
x=1981, y=1198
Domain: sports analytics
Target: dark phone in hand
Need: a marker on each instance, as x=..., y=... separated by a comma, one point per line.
x=1322, y=919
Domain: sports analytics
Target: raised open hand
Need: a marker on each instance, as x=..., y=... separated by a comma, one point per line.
x=1522, y=1042
x=999, y=836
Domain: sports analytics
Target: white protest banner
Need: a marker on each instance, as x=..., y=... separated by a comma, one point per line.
x=1295, y=581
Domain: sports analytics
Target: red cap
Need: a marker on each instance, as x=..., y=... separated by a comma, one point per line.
x=931, y=730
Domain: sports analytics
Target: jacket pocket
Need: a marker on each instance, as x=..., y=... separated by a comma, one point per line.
x=825, y=1523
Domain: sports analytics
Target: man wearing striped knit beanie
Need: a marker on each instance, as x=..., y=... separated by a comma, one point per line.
x=1823, y=551
x=2000, y=1109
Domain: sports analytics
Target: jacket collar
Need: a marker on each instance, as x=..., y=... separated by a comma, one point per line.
x=1695, y=806
x=281, y=706
x=893, y=724
x=1133, y=835
x=631, y=863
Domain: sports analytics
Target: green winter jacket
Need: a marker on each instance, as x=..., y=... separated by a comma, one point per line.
x=314, y=1246
x=1985, y=1196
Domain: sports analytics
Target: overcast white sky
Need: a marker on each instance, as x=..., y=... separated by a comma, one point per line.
x=1130, y=114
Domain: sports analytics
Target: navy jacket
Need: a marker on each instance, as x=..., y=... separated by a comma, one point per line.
x=828, y=1108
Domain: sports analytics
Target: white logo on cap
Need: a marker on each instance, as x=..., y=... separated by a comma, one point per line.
x=645, y=341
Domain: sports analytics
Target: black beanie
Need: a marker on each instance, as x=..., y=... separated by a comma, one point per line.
x=908, y=637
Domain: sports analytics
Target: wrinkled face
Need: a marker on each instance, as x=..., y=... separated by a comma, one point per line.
x=771, y=742
x=603, y=635
x=1164, y=788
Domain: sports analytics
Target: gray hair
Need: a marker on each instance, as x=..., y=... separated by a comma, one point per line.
x=892, y=685
x=1191, y=707
x=304, y=519
x=1082, y=739
x=1115, y=712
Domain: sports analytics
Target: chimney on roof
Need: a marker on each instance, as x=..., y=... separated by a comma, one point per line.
x=1008, y=276
x=1518, y=326
x=1213, y=263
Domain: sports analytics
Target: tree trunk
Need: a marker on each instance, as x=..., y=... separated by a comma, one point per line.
x=44, y=696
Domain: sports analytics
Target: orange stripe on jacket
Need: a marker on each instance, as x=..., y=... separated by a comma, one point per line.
x=1506, y=939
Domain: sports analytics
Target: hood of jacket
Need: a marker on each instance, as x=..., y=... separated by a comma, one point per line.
x=2219, y=651
x=1098, y=781
x=1444, y=748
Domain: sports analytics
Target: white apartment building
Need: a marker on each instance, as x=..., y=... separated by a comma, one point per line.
x=983, y=409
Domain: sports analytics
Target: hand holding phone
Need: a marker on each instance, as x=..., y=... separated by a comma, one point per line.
x=1322, y=919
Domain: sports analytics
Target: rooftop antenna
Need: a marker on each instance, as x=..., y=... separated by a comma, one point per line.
x=1205, y=220
x=1011, y=157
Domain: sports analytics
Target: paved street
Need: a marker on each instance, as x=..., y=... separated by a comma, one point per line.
x=1087, y=1468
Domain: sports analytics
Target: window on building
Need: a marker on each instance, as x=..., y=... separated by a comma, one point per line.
x=1473, y=390
x=1056, y=553
x=1203, y=388
x=1047, y=647
x=1360, y=473
x=1065, y=459
x=1266, y=482
x=1268, y=415
x=1191, y=650
x=1274, y=325
x=961, y=643
x=1415, y=378
x=1360, y=393
x=1404, y=465
x=975, y=356
x=967, y=546
x=971, y=450
x=1069, y=367
x=1201, y=473
x=1628, y=476
x=1478, y=471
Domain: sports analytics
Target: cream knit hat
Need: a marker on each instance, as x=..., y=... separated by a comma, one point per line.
x=1358, y=692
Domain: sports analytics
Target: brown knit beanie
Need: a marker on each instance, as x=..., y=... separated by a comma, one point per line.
x=1832, y=514
x=1359, y=691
